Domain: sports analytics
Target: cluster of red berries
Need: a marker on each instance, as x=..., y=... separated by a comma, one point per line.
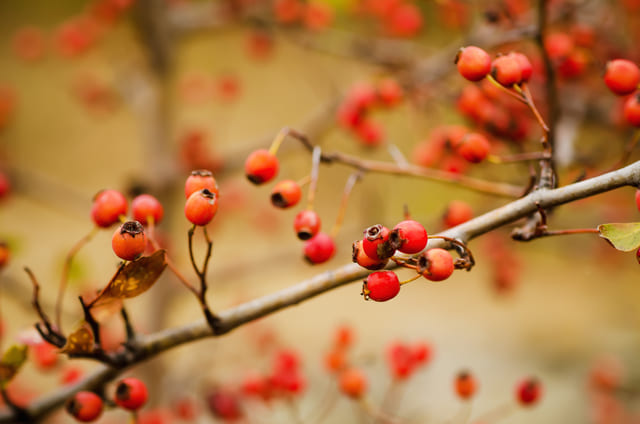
x=397, y=18
x=314, y=15
x=284, y=379
x=198, y=88
x=353, y=113
x=570, y=52
x=201, y=191
x=405, y=359
x=527, y=391
x=623, y=78
x=508, y=70
x=130, y=394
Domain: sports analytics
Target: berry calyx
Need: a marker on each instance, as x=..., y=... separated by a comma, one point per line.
x=474, y=147
x=528, y=392
x=435, y=264
x=261, y=166
x=108, y=206
x=622, y=76
x=201, y=207
x=631, y=109
x=376, y=243
x=285, y=194
x=129, y=241
x=506, y=70
x=85, y=406
x=353, y=383
x=381, y=286
x=131, y=394
x=320, y=248
x=465, y=385
x=409, y=237
x=146, y=206
x=473, y=63
x=361, y=258
x=198, y=180
x=306, y=224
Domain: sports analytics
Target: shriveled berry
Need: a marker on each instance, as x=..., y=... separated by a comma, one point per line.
x=146, y=206
x=306, y=224
x=474, y=147
x=201, y=207
x=435, y=264
x=631, y=109
x=361, y=258
x=108, y=206
x=473, y=63
x=528, y=392
x=381, y=286
x=457, y=213
x=409, y=237
x=261, y=166
x=465, y=385
x=129, y=241
x=353, y=383
x=320, y=248
x=85, y=406
x=506, y=70
x=131, y=394
x=199, y=179
x=376, y=243
x=285, y=194
x=622, y=76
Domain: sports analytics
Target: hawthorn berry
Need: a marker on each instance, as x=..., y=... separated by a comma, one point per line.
x=129, y=241
x=361, y=258
x=506, y=70
x=199, y=179
x=335, y=360
x=465, y=385
x=5, y=254
x=131, y=394
x=389, y=92
x=261, y=166
x=285, y=194
x=381, y=286
x=320, y=248
x=108, y=206
x=408, y=237
x=5, y=185
x=146, y=206
x=353, y=383
x=369, y=132
x=45, y=355
x=457, y=212
x=225, y=405
x=317, y=16
x=306, y=224
x=528, y=392
x=631, y=109
x=526, y=69
x=85, y=406
x=401, y=360
x=376, y=243
x=201, y=207
x=638, y=198
x=473, y=63
x=622, y=76
x=474, y=147
x=343, y=337
x=404, y=20
x=435, y=264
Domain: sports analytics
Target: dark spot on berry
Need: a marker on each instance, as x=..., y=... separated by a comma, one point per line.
x=278, y=200
x=305, y=234
x=123, y=391
x=132, y=228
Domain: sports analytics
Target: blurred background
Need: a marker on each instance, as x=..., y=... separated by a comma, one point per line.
x=134, y=94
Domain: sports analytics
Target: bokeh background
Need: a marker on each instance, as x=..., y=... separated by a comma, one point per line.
x=163, y=87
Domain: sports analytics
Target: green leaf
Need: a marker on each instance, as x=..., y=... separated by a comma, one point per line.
x=623, y=236
x=11, y=362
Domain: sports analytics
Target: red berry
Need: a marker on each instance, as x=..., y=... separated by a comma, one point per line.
x=343, y=337
x=381, y=286
x=306, y=224
x=288, y=11
x=361, y=258
x=526, y=69
x=199, y=179
x=622, y=76
x=506, y=70
x=389, y=92
x=638, y=198
x=558, y=45
x=474, y=147
x=473, y=63
x=369, y=132
x=131, y=394
x=5, y=254
x=465, y=385
x=261, y=166
x=71, y=375
x=285, y=194
x=401, y=361
x=353, y=383
x=317, y=16
x=225, y=405
x=201, y=207
x=436, y=264
x=632, y=109
x=528, y=392
x=320, y=248
x=457, y=213
x=146, y=206
x=45, y=355
x=409, y=237
x=85, y=406
x=376, y=243
x=405, y=20
x=335, y=360
x=108, y=206
x=129, y=241
x=5, y=185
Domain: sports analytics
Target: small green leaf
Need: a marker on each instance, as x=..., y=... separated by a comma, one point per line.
x=623, y=236
x=11, y=362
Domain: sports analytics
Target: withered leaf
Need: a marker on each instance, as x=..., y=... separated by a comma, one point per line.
x=80, y=341
x=133, y=279
x=11, y=362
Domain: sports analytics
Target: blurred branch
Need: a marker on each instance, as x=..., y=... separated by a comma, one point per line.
x=154, y=344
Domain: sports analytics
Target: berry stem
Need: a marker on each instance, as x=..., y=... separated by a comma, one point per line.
x=467, y=260
x=211, y=318
x=277, y=142
x=51, y=335
x=526, y=95
x=313, y=183
x=463, y=414
x=66, y=269
x=348, y=187
x=304, y=180
x=172, y=267
x=510, y=91
x=414, y=278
